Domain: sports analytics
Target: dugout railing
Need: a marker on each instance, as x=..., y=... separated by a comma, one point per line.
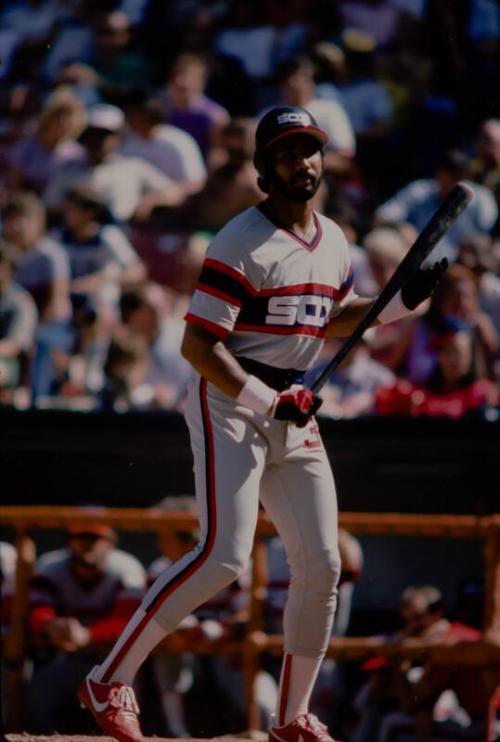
x=253, y=642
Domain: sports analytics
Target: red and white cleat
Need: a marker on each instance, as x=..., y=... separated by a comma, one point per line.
x=305, y=728
x=113, y=706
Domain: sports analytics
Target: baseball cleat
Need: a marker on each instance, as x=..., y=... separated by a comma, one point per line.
x=305, y=728
x=114, y=708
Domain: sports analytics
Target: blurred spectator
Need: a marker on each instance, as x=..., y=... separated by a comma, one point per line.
x=81, y=599
x=124, y=373
x=132, y=187
x=42, y=269
x=18, y=321
x=476, y=253
x=171, y=150
x=101, y=258
x=453, y=389
x=259, y=43
x=350, y=390
x=33, y=161
x=415, y=354
x=232, y=186
x=148, y=314
x=187, y=107
x=391, y=690
x=385, y=20
x=298, y=89
x=485, y=167
x=416, y=202
x=385, y=249
x=98, y=54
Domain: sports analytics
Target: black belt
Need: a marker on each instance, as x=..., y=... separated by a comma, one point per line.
x=276, y=378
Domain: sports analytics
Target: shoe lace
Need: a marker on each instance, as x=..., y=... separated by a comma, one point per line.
x=122, y=697
x=318, y=728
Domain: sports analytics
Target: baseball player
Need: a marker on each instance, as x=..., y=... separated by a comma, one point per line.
x=275, y=282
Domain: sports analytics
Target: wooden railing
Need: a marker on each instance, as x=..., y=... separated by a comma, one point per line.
x=484, y=653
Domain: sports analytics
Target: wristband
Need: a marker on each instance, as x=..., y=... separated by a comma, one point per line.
x=256, y=395
x=394, y=310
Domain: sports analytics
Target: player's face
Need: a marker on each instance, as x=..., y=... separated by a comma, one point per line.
x=297, y=166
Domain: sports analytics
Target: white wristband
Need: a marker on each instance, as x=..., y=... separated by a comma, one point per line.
x=256, y=395
x=394, y=310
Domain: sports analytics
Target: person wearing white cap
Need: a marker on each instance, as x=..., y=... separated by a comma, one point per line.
x=131, y=186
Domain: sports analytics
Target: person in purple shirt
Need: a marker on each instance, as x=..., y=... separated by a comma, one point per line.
x=186, y=105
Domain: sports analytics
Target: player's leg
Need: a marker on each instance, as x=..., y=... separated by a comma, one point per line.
x=229, y=457
x=299, y=494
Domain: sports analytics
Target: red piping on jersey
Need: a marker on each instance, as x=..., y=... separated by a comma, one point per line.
x=201, y=557
x=308, y=245
x=210, y=326
x=320, y=289
x=218, y=294
x=280, y=330
x=223, y=268
x=285, y=688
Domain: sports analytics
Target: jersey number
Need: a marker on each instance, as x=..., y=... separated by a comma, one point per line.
x=304, y=310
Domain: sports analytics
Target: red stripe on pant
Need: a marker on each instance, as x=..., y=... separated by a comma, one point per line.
x=182, y=576
x=285, y=688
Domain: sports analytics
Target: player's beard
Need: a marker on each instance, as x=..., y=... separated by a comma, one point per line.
x=298, y=194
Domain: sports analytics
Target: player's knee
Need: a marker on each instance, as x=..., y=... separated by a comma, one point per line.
x=225, y=571
x=323, y=572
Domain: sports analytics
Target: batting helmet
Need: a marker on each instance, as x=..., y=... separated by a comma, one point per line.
x=283, y=121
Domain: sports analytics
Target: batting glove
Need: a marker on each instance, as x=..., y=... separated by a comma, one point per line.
x=422, y=284
x=297, y=406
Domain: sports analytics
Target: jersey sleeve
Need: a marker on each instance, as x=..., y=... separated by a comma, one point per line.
x=225, y=284
x=345, y=294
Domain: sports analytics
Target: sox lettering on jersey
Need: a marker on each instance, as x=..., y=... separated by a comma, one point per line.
x=306, y=309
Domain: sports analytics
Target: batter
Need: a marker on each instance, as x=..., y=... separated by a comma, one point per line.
x=275, y=282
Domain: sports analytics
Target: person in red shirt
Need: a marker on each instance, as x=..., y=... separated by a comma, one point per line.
x=81, y=599
x=453, y=390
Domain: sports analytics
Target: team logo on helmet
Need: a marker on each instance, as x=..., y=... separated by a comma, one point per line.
x=294, y=118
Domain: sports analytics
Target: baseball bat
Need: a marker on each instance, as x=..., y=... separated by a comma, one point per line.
x=436, y=227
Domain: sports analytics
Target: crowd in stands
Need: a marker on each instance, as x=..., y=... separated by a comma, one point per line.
x=126, y=142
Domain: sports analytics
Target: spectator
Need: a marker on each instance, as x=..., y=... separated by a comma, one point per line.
x=350, y=390
x=416, y=202
x=385, y=20
x=101, y=258
x=298, y=89
x=171, y=150
x=457, y=296
x=485, y=167
x=18, y=320
x=186, y=105
x=232, y=186
x=453, y=390
x=81, y=598
x=42, y=269
x=476, y=253
x=379, y=701
x=33, y=161
x=124, y=372
x=132, y=187
x=8, y=564
x=385, y=249
x=149, y=316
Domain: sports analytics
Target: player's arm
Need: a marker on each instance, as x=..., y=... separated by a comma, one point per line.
x=208, y=355
x=419, y=288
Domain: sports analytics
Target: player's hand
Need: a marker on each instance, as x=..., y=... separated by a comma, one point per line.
x=422, y=284
x=296, y=405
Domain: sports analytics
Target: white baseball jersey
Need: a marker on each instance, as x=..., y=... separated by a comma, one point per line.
x=272, y=291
